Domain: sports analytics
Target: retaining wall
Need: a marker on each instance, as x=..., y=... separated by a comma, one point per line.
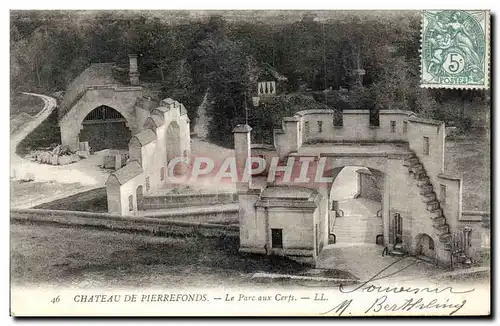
x=149, y=225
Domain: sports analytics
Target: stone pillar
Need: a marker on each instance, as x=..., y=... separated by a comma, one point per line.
x=242, y=153
x=386, y=205
x=252, y=229
x=133, y=70
x=292, y=134
x=69, y=135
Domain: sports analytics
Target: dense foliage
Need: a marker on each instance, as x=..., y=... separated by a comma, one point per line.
x=188, y=58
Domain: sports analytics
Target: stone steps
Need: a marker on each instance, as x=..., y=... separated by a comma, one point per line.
x=429, y=197
x=439, y=220
x=353, y=230
x=441, y=228
x=423, y=182
x=432, y=205
x=426, y=189
x=417, y=168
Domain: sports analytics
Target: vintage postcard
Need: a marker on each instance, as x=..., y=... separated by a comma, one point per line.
x=250, y=163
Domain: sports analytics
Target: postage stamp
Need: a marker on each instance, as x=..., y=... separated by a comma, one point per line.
x=455, y=49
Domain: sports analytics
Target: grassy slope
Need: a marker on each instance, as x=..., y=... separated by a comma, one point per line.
x=71, y=256
x=469, y=157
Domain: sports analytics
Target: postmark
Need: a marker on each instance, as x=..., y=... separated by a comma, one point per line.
x=455, y=49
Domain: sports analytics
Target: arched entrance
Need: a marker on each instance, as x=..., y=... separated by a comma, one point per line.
x=355, y=204
x=104, y=128
x=424, y=246
x=140, y=198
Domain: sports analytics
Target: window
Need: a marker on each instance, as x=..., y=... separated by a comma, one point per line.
x=431, y=244
x=393, y=126
x=374, y=117
x=277, y=238
x=162, y=173
x=426, y=146
x=320, y=126
x=338, y=119
x=405, y=127
x=147, y=184
x=130, y=203
x=306, y=128
x=442, y=193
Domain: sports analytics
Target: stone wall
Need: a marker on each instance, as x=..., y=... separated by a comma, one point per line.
x=369, y=186
x=318, y=126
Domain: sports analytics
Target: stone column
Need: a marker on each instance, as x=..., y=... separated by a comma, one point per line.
x=386, y=205
x=291, y=125
x=133, y=70
x=242, y=154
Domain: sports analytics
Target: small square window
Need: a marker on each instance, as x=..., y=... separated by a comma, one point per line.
x=426, y=146
x=405, y=127
x=162, y=173
x=320, y=126
x=393, y=126
x=130, y=203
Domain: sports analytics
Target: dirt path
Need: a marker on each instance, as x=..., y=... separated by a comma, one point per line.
x=85, y=173
x=50, y=104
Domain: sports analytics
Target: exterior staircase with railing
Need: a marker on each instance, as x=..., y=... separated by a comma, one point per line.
x=429, y=197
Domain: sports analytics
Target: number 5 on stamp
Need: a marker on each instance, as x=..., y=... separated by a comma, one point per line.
x=455, y=49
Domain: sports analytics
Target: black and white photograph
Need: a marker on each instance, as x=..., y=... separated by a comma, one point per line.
x=250, y=162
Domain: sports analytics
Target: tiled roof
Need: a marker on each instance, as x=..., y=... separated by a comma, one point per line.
x=168, y=101
x=127, y=173
x=145, y=137
x=157, y=120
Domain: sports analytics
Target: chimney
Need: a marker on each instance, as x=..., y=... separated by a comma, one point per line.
x=133, y=70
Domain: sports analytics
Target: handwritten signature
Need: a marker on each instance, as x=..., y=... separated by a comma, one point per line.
x=367, y=287
x=384, y=304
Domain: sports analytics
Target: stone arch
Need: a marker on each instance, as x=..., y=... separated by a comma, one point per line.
x=116, y=105
x=353, y=219
x=104, y=127
x=71, y=122
x=334, y=172
x=424, y=245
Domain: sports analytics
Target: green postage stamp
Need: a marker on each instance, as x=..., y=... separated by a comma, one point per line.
x=455, y=49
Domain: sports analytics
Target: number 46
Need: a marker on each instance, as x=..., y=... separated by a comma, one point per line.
x=56, y=299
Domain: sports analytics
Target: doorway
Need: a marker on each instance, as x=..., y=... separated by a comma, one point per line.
x=398, y=228
x=277, y=238
x=140, y=198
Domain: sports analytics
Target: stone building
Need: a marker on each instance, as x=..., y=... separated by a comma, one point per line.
x=165, y=137
x=109, y=113
x=421, y=206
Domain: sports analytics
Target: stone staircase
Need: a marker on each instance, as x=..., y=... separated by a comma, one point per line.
x=428, y=196
x=357, y=229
